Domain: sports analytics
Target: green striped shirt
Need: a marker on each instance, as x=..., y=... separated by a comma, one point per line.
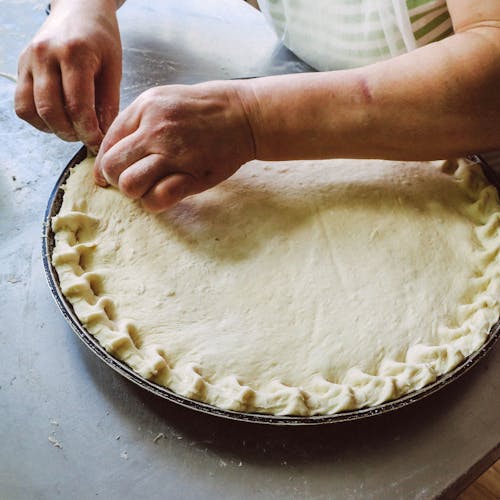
x=335, y=34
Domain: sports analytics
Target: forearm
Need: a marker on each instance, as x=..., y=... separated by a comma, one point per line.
x=438, y=101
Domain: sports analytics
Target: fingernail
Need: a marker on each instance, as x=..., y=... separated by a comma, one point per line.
x=103, y=175
x=99, y=179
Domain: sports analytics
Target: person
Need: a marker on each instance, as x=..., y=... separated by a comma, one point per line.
x=438, y=100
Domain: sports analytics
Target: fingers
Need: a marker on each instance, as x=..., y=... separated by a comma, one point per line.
x=57, y=94
x=125, y=124
x=25, y=103
x=139, y=178
x=122, y=128
x=98, y=176
x=110, y=163
x=147, y=177
x=79, y=104
x=49, y=101
x=168, y=192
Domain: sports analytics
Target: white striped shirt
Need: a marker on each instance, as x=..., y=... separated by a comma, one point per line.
x=335, y=34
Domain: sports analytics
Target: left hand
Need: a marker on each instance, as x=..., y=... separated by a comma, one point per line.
x=175, y=141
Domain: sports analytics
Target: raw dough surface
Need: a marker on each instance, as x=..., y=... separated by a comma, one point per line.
x=292, y=288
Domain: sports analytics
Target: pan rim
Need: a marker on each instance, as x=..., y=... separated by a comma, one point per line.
x=260, y=418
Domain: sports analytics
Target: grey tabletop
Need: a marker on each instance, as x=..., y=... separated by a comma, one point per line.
x=70, y=427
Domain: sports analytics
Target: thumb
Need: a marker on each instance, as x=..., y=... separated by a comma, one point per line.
x=107, y=89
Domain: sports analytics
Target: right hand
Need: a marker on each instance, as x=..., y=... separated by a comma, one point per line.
x=69, y=75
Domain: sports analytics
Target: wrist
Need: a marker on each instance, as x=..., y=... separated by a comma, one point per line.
x=246, y=95
x=307, y=115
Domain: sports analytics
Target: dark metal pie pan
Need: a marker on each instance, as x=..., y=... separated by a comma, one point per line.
x=53, y=206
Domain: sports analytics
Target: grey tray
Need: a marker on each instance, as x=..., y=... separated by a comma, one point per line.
x=66, y=308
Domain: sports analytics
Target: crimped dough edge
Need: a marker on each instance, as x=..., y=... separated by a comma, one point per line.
x=422, y=365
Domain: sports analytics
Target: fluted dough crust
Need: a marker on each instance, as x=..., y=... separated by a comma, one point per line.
x=294, y=288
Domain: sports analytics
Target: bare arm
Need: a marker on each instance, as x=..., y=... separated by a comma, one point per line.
x=438, y=101
x=442, y=100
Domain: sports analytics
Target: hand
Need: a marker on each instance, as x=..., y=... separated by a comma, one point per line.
x=175, y=141
x=69, y=75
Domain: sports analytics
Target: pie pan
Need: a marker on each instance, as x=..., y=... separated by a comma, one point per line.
x=53, y=206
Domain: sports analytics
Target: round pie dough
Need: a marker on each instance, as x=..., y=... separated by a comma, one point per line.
x=293, y=288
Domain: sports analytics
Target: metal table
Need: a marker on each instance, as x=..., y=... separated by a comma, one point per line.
x=72, y=428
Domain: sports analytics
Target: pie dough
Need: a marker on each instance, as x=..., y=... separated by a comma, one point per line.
x=293, y=288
